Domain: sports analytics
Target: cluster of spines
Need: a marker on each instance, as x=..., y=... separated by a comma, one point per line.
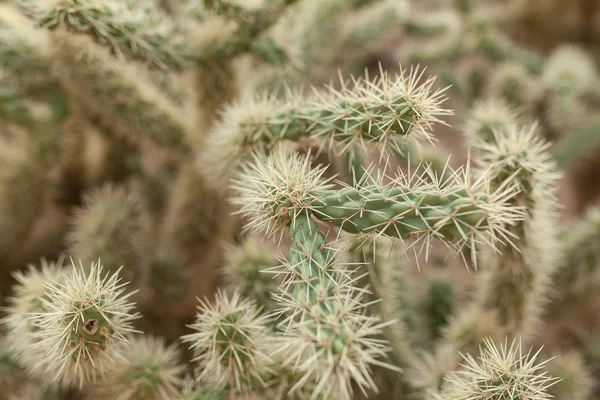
x=500, y=373
x=83, y=325
x=230, y=344
x=149, y=370
x=487, y=117
x=519, y=156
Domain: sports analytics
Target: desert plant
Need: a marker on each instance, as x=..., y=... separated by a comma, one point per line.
x=302, y=240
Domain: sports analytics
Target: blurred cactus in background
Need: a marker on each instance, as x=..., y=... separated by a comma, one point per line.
x=227, y=199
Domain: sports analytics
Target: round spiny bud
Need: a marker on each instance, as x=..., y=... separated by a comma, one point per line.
x=229, y=344
x=521, y=155
x=501, y=373
x=149, y=371
x=83, y=326
x=570, y=68
x=273, y=190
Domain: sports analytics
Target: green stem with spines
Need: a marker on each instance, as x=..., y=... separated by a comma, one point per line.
x=516, y=284
x=402, y=211
x=308, y=255
x=311, y=259
x=343, y=120
x=119, y=26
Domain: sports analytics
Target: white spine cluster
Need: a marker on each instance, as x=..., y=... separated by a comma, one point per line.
x=150, y=371
x=230, y=344
x=83, y=325
x=500, y=373
x=27, y=297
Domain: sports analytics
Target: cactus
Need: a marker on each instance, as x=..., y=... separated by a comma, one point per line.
x=149, y=370
x=350, y=238
x=387, y=111
x=519, y=155
x=230, y=344
x=501, y=373
x=82, y=325
x=281, y=188
x=27, y=299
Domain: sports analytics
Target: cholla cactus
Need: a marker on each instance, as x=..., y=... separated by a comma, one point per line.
x=82, y=327
x=388, y=111
x=176, y=139
x=230, y=344
x=149, y=370
x=250, y=269
x=277, y=190
x=519, y=155
x=284, y=190
x=26, y=299
x=501, y=373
